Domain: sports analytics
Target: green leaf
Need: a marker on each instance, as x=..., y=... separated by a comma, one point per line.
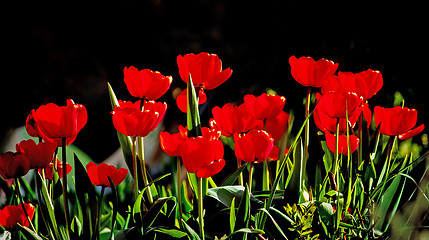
x=225, y=194
x=150, y=216
x=243, y=213
x=193, y=116
x=247, y=230
x=171, y=232
x=230, y=179
x=76, y=226
x=232, y=217
x=191, y=233
x=274, y=222
x=115, y=205
x=28, y=234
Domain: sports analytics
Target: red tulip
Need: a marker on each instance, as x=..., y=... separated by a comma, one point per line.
x=182, y=99
x=12, y=215
x=13, y=164
x=397, y=121
x=276, y=126
x=98, y=174
x=254, y=146
x=232, y=119
x=205, y=70
x=202, y=155
x=342, y=143
x=55, y=122
x=49, y=170
x=310, y=73
x=31, y=126
x=336, y=104
x=170, y=143
x=38, y=155
x=264, y=106
x=146, y=84
x=365, y=84
x=129, y=120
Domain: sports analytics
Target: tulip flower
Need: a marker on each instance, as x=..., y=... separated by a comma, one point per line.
x=49, y=170
x=232, y=119
x=254, y=146
x=31, y=126
x=182, y=99
x=365, y=84
x=202, y=155
x=336, y=104
x=55, y=122
x=12, y=215
x=264, y=106
x=276, y=126
x=13, y=164
x=204, y=68
x=38, y=155
x=397, y=121
x=310, y=73
x=98, y=174
x=342, y=143
x=146, y=84
x=170, y=143
x=129, y=120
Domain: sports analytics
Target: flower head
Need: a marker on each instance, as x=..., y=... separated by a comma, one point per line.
x=13, y=164
x=310, y=73
x=98, y=174
x=55, y=122
x=254, y=146
x=12, y=215
x=204, y=68
x=49, y=170
x=342, y=143
x=264, y=106
x=38, y=155
x=146, y=84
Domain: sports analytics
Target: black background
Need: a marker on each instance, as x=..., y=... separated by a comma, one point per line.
x=55, y=51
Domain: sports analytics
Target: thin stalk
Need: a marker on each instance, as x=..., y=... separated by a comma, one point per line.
x=337, y=179
x=65, y=199
x=136, y=176
x=179, y=190
x=240, y=177
x=39, y=197
x=143, y=169
x=307, y=125
x=18, y=193
x=266, y=170
x=250, y=176
x=100, y=204
x=200, y=208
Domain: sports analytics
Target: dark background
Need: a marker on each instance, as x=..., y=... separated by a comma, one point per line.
x=52, y=52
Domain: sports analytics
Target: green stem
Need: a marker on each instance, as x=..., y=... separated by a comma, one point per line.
x=250, y=176
x=18, y=193
x=200, y=208
x=240, y=177
x=338, y=211
x=65, y=199
x=143, y=170
x=179, y=190
x=100, y=204
x=136, y=176
x=307, y=125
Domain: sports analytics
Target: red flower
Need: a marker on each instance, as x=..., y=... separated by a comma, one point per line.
x=264, y=106
x=13, y=164
x=342, y=143
x=365, y=84
x=12, y=215
x=205, y=70
x=38, y=155
x=129, y=120
x=182, y=99
x=55, y=122
x=202, y=155
x=49, y=170
x=145, y=83
x=397, y=121
x=310, y=73
x=232, y=119
x=335, y=104
x=276, y=126
x=31, y=126
x=170, y=143
x=98, y=174
x=254, y=146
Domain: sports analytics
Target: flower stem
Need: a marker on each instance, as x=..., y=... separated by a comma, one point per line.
x=240, y=177
x=200, y=208
x=100, y=204
x=307, y=124
x=65, y=200
x=179, y=190
x=143, y=169
x=135, y=173
x=250, y=177
x=18, y=193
